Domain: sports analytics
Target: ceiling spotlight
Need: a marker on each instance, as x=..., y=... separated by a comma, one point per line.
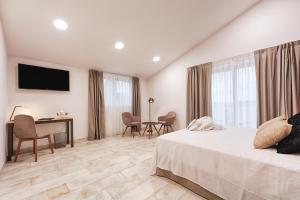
x=119, y=45
x=60, y=24
x=156, y=59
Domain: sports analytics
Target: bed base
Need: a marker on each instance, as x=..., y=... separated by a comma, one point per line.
x=188, y=184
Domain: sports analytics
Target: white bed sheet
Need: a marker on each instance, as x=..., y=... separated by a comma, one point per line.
x=225, y=163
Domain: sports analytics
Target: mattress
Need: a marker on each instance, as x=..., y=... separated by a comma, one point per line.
x=225, y=163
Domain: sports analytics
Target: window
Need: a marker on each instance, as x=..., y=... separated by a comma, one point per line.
x=234, y=92
x=117, y=99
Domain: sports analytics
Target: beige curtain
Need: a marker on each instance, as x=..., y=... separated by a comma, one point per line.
x=96, y=106
x=136, y=98
x=198, y=91
x=278, y=81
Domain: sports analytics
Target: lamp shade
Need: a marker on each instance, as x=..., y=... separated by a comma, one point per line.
x=150, y=100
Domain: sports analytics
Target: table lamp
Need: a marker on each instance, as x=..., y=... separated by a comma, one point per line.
x=10, y=119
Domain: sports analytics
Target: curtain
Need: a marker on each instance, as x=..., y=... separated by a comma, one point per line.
x=96, y=106
x=278, y=81
x=118, y=99
x=234, y=92
x=136, y=98
x=198, y=91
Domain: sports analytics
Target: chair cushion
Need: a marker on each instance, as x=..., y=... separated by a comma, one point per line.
x=294, y=120
x=271, y=133
x=42, y=135
x=290, y=144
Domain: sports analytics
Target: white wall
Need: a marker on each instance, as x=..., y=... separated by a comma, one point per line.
x=45, y=103
x=3, y=98
x=40, y=103
x=269, y=23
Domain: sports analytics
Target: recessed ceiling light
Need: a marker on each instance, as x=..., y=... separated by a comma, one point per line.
x=60, y=24
x=119, y=45
x=156, y=59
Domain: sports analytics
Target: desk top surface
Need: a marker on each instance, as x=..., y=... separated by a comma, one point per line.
x=48, y=120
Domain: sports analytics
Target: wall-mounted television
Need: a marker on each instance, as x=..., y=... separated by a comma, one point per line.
x=42, y=78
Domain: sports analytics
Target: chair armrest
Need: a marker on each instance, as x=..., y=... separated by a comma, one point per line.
x=136, y=119
x=170, y=121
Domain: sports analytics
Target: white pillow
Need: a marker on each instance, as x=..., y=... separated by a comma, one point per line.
x=191, y=124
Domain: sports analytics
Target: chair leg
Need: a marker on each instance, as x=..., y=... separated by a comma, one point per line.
x=132, y=133
x=50, y=144
x=167, y=129
x=164, y=129
x=18, y=149
x=124, y=131
x=139, y=130
x=35, y=149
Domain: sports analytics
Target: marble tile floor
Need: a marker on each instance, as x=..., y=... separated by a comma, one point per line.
x=112, y=168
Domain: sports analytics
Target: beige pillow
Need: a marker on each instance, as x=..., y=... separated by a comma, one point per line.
x=280, y=118
x=271, y=133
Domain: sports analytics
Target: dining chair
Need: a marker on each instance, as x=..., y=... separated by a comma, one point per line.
x=131, y=121
x=25, y=130
x=167, y=121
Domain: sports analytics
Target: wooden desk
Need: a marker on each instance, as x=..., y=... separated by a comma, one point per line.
x=10, y=138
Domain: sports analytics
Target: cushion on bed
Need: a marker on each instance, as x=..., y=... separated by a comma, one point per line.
x=192, y=124
x=271, y=133
x=205, y=123
x=294, y=120
x=280, y=118
x=290, y=144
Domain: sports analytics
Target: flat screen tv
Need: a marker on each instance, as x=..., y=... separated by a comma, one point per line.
x=41, y=78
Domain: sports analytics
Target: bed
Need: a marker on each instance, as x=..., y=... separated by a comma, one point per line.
x=223, y=164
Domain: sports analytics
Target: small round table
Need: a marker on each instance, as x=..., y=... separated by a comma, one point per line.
x=149, y=128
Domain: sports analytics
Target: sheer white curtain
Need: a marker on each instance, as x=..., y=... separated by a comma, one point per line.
x=117, y=99
x=234, y=92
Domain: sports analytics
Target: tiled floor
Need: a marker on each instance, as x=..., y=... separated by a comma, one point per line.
x=113, y=168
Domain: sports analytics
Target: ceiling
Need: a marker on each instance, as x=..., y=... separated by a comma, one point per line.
x=167, y=28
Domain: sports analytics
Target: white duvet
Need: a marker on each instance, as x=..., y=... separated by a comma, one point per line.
x=225, y=163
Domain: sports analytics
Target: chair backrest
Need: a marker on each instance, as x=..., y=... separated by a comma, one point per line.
x=171, y=116
x=24, y=126
x=127, y=118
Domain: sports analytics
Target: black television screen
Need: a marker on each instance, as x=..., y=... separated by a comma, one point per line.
x=34, y=77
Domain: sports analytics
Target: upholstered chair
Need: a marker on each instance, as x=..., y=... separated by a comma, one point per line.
x=25, y=130
x=167, y=121
x=131, y=121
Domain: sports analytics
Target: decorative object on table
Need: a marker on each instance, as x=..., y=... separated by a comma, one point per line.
x=131, y=121
x=149, y=128
x=150, y=101
x=167, y=121
x=61, y=114
x=11, y=116
x=25, y=130
x=60, y=140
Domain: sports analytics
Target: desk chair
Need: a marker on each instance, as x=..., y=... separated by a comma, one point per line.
x=25, y=130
